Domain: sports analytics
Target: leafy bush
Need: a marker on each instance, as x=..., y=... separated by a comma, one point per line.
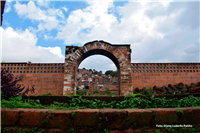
x=10, y=87
x=81, y=93
x=95, y=92
x=77, y=92
x=130, y=101
x=87, y=87
x=48, y=94
x=107, y=90
x=85, y=92
x=149, y=91
x=77, y=88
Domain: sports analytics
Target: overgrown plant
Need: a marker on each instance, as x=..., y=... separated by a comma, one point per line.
x=95, y=92
x=87, y=87
x=48, y=94
x=130, y=101
x=10, y=86
x=149, y=91
x=107, y=90
x=81, y=92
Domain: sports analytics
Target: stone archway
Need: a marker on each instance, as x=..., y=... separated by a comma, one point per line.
x=119, y=54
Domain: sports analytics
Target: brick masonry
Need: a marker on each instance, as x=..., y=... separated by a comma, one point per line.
x=82, y=120
x=60, y=78
x=159, y=74
x=119, y=54
x=47, y=77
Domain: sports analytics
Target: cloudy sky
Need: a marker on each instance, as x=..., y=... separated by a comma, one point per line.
x=162, y=31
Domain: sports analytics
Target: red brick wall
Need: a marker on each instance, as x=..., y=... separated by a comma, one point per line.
x=47, y=77
x=159, y=74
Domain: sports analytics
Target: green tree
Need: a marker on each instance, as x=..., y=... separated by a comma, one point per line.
x=107, y=90
x=100, y=72
x=112, y=73
x=87, y=87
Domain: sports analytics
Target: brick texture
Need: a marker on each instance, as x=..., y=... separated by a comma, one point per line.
x=83, y=120
x=119, y=54
x=159, y=74
x=47, y=77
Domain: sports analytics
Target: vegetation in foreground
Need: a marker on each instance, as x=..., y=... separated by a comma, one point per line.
x=130, y=101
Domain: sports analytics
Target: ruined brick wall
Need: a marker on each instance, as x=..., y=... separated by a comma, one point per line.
x=159, y=74
x=47, y=77
x=119, y=54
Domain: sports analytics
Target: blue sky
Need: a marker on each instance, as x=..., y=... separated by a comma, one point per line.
x=38, y=31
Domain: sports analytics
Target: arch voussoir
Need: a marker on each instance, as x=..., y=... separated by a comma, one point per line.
x=117, y=53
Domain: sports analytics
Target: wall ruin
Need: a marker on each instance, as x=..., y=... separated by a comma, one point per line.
x=119, y=54
x=60, y=78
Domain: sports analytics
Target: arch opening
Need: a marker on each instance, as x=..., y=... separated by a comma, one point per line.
x=102, y=53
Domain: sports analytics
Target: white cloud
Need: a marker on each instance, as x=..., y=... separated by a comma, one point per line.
x=30, y=11
x=56, y=51
x=8, y=6
x=94, y=16
x=157, y=31
x=46, y=37
x=65, y=9
x=47, y=18
x=43, y=3
x=20, y=46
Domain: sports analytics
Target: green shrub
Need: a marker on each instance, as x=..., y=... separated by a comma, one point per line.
x=81, y=92
x=107, y=90
x=85, y=92
x=87, y=87
x=95, y=91
x=149, y=91
x=130, y=101
x=77, y=92
x=48, y=94
x=77, y=88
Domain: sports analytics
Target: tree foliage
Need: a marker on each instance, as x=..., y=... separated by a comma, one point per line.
x=95, y=71
x=108, y=72
x=10, y=87
x=112, y=73
x=107, y=90
x=87, y=87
